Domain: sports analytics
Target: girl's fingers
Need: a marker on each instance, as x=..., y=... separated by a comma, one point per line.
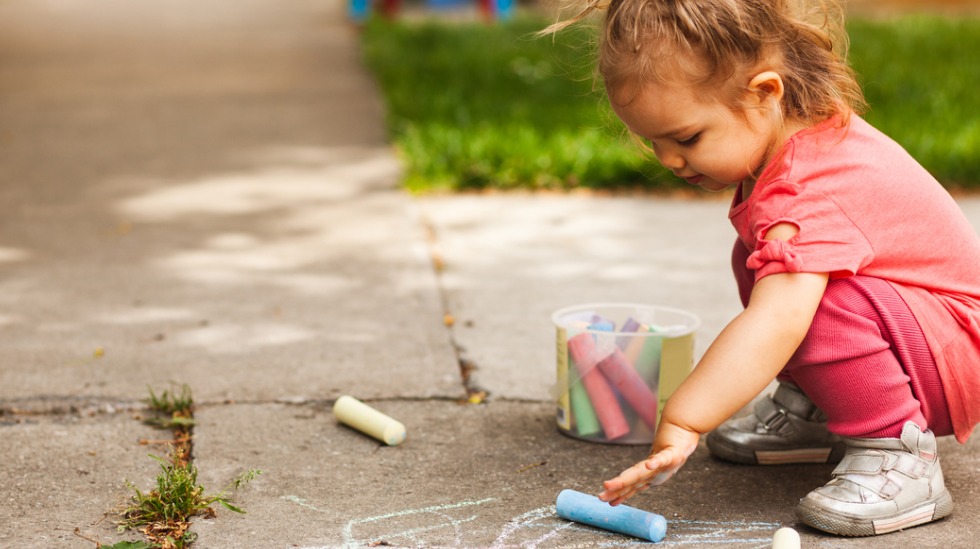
x=630, y=493
x=616, y=493
x=629, y=482
x=650, y=472
x=654, y=470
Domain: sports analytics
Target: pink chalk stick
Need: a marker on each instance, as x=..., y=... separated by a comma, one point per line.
x=604, y=402
x=618, y=370
x=582, y=349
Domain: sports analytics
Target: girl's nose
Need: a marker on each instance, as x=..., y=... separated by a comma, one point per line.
x=672, y=160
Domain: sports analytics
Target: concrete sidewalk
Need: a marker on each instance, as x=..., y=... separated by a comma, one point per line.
x=201, y=193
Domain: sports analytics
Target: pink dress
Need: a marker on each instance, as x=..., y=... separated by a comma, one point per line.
x=864, y=206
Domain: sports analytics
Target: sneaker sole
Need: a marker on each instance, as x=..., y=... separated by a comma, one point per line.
x=824, y=454
x=843, y=525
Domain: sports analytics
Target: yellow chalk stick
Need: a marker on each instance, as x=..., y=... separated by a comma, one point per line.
x=786, y=538
x=350, y=411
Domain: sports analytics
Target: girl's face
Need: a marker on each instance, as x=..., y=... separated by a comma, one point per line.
x=704, y=143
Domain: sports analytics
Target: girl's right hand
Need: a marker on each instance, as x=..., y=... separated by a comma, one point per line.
x=670, y=452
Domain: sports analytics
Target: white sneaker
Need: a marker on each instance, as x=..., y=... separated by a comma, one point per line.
x=882, y=485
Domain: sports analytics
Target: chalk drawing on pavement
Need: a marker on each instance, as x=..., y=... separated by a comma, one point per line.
x=547, y=526
x=733, y=533
x=301, y=502
x=537, y=528
x=444, y=518
x=537, y=519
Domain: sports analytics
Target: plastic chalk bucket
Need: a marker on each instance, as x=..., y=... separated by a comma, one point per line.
x=617, y=363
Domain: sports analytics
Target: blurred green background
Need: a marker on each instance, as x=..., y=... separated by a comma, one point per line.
x=478, y=105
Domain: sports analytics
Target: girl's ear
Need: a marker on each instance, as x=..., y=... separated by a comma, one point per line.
x=767, y=85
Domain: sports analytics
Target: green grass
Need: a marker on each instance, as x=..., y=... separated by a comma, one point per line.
x=473, y=106
x=922, y=80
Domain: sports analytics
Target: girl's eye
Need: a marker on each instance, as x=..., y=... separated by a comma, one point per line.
x=689, y=141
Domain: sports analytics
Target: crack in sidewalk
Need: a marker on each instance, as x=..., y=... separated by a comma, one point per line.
x=14, y=411
x=474, y=393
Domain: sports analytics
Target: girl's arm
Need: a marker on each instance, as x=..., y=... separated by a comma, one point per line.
x=739, y=364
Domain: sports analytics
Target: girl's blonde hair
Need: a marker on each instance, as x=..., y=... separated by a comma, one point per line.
x=718, y=45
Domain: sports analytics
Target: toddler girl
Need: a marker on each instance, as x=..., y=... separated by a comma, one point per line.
x=858, y=272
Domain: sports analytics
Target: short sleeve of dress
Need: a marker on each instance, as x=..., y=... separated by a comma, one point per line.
x=827, y=241
x=775, y=256
x=820, y=194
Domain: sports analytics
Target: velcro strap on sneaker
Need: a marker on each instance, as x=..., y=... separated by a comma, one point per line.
x=773, y=417
x=910, y=466
x=881, y=485
x=861, y=463
x=874, y=462
x=797, y=403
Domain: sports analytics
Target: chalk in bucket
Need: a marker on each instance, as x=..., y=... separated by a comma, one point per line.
x=617, y=363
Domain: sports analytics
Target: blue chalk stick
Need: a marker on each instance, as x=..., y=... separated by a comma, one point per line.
x=579, y=507
x=602, y=325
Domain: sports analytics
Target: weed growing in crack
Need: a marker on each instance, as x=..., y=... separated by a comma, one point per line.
x=163, y=514
x=174, y=411
x=178, y=409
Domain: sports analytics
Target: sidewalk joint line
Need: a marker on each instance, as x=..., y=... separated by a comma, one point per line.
x=474, y=393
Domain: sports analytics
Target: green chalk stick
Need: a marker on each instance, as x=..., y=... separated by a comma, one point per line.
x=648, y=361
x=586, y=422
